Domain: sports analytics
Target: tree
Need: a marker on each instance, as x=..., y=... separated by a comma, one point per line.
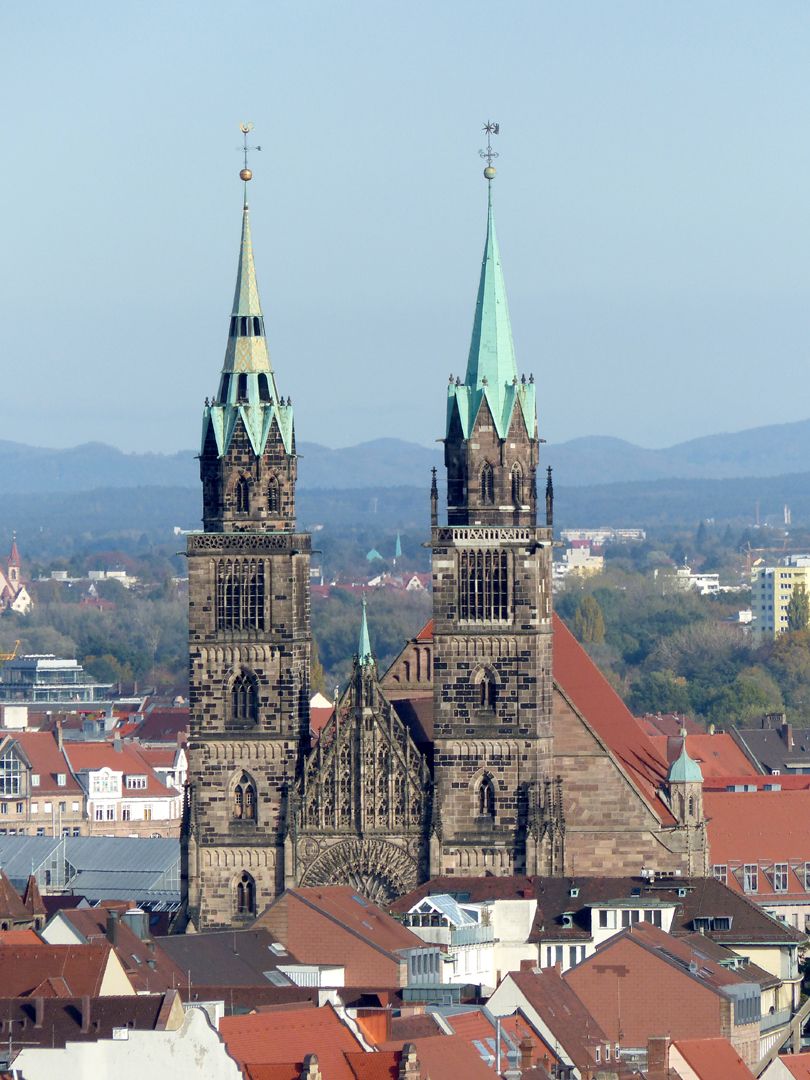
x=589, y=622
x=798, y=609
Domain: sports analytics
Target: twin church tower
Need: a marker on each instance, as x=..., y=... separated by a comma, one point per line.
x=369, y=803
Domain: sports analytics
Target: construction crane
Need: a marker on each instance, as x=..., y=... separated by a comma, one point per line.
x=10, y=655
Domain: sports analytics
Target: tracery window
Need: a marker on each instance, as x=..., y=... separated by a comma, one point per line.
x=245, y=895
x=244, y=799
x=487, y=485
x=242, y=495
x=517, y=485
x=240, y=594
x=483, y=585
x=486, y=797
x=245, y=698
x=273, y=496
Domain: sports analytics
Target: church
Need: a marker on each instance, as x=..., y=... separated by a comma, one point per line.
x=492, y=745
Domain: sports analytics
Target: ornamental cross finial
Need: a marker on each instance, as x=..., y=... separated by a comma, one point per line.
x=489, y=155
x=245, y=173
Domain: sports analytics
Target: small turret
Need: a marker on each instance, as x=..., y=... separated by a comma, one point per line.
x=685, y=780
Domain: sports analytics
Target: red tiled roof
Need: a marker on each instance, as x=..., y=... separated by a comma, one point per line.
x=159, y=756
x=47, y=761
x=289, y=1071
x=714, y=1059
x=288, y=1035
x=361, y=916
x=448, y=1056
x=426, y=633
x=786, y=783
x=759, y=827
x=382, y=1065
x=11, y=905
x=717, y=755
x=596, y=700
x=667, y=724
x=798, y=1065
x=127, y=760
x=164, y=725
x=20, y=937
x=82, y=967
x=319, y=717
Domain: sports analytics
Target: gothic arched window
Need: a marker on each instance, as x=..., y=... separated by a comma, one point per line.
x=488, y=692
x=517, y=485
x=486, y=796
x=240, y=594
x=244, y=799
x=245, y=698
x=487, y=485
x=242, y=495
x=273, y=496
x=245, y=895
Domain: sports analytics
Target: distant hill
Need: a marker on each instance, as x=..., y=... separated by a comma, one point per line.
x=776, y=450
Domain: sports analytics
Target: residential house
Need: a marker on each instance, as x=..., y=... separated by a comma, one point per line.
x=254, y=958
x=39, y=795
x=757, y=849
x=629, y=985
x=125, y=796
x=775, y=748
x=62, y=971
x=128, y=1038
x=788, y=1067
x=148, y=966
x=570, y=1033
x=334, y=925
x=694, y=1059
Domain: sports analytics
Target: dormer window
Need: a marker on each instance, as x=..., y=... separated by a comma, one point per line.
x=34, y=779
x=136, y=782
x=61, y=779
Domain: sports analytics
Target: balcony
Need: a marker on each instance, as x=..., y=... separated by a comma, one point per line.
x=457, y=936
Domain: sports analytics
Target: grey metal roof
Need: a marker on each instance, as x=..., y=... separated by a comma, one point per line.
x=122, y=853
x=23, y=855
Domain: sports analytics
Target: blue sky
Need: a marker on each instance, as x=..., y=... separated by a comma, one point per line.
x=653, y=207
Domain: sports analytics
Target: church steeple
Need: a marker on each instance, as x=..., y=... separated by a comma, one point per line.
x=491, y=434
x=247, y=458
x=364, y=654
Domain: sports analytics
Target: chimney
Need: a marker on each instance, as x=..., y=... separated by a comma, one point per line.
x=657, y=1057
x=112, y=927
x=117, y=743
x=311, y=1069
x=59, y=734
x=39, y=1011
x=526, y=1048
x=86, y=1013
x=787, y=735
x=409, y=1068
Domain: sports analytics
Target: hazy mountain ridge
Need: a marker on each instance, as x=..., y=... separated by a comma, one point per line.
x=775, y=450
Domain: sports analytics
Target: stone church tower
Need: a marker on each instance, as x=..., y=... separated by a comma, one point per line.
x=249, y=633
x=496, y=806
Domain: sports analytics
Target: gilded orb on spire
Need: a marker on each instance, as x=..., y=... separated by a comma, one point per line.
x=245, y=173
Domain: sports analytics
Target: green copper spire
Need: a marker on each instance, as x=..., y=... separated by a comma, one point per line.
x=491, y=367
x=685, y=770
x=248, y=386
x=364, y=656
x=398, y=547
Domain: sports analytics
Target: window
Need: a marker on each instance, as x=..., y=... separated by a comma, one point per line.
x=34, y=779
x=720, y=872
x=110, y=813
x=74, y=807
x=99, y=814
x=48, y=808
x=19, y=807
x=257, y=326
x=517, y=485
x=126, y=812
x=488, y=692
x=242, y=495
x=147, y=813
x=780, y=877
x=240, y=594
x=62, y=807
x=10, y=772
x=245, y=698
x=136, y=781
x=750, y=877
x=244, y=799
x=486, y=797
x=61, y=779
x=483, y=585
x=40, y=831
x=807, y=875
x=603, y=918
x=34, y=808
x=487, y=485
x=246, y=895
x=273, y=496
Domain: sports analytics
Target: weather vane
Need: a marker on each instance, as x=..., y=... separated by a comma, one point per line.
x=246, y=174
x=489, y=154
